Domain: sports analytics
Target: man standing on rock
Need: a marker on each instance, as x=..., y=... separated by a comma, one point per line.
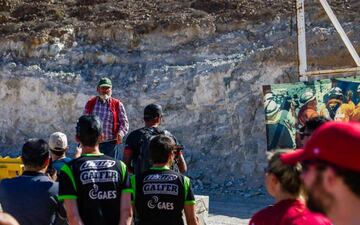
x=112, y=113
x=136, y=152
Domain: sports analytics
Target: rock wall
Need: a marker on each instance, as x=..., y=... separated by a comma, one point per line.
x=203, y=62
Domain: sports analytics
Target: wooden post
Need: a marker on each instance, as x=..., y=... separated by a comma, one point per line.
x=300, y=17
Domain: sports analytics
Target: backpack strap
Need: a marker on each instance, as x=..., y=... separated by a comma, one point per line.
x=143, y=162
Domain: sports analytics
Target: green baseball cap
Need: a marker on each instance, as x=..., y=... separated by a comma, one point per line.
x=104, y=82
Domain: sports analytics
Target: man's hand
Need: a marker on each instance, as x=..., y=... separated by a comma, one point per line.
x=78, y=151
x=119, y=139
x=181, y=163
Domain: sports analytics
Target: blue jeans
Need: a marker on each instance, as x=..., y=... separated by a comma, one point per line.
x=109, y=148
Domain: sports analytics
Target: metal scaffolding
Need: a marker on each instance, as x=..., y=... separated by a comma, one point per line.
x=304, y=74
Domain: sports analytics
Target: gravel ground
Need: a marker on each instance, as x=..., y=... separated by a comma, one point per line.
x=226, y=220
x=235, y=210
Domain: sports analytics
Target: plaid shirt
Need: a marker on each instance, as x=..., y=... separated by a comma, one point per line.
x=102, y=110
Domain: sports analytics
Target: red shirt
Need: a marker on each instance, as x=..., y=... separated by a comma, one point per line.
x=288, y=212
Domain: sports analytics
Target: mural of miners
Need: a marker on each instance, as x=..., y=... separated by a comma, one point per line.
x=288, y=107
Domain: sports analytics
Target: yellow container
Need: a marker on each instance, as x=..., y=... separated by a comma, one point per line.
x=10, y=167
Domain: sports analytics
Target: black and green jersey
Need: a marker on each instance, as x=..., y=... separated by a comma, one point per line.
x=96, y=182
x=160, y=195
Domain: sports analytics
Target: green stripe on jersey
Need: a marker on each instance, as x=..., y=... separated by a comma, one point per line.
x=186, y=186
x=92, y=154
x=160, y=168
x=192, y=202
x=63, y=197
x=127, y=191
x=66, y=169
x=123, y=170
x=133, y=186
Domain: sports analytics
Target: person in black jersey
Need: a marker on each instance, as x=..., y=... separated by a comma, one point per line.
x=160, y=194
x=95, y=187
x=134, y=145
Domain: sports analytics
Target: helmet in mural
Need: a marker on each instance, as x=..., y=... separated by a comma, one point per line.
x=336, y=93
x=307, y=97
x=269, y=96
x=271, y=108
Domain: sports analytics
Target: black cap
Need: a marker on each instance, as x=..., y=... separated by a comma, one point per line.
x=89, y=125
x=34, y=151
x=152, y=111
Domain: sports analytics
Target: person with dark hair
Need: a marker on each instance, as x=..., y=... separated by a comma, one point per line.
x=32, y=197
x=111, y=112
x=283, y=182
x=95, y=187
x=310, y=126
x=136, y=152
x=160, y=194
x=331, y=171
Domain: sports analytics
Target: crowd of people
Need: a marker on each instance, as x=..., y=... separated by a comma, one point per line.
x=94, y=187
x=318, y=184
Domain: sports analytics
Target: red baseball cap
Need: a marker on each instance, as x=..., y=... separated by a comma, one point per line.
x=334, y=142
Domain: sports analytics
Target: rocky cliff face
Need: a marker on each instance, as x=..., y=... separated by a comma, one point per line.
x=204, y=61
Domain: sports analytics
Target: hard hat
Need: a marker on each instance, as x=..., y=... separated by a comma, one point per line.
x=271, y=108
x=336, y=92
x=268, y=96
x=306, y=97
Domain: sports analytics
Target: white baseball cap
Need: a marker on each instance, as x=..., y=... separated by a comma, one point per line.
x=58, y=141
